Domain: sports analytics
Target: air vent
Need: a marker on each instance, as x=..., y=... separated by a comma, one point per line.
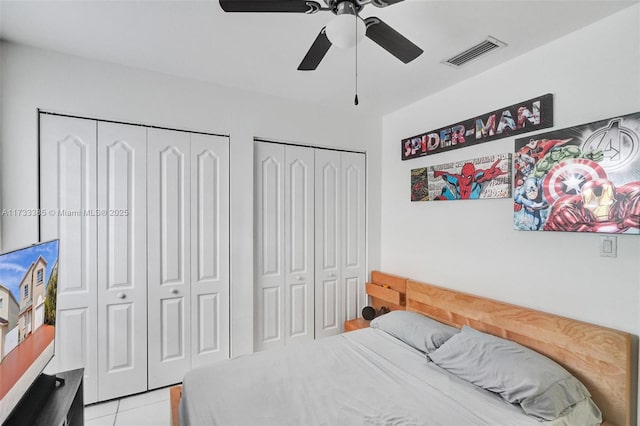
x=475, y=52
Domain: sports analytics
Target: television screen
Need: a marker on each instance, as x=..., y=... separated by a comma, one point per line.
x=28, y=285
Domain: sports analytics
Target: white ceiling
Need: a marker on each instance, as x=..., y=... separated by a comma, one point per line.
x=261, y=51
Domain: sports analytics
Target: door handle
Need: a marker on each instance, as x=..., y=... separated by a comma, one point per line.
x=121, y=296
x=299, y=278
x=174, y=291
x=332, y=275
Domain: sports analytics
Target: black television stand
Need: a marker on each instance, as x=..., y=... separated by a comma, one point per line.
x=52, y=400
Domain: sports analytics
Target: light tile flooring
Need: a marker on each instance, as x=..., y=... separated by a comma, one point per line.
x=146, y=409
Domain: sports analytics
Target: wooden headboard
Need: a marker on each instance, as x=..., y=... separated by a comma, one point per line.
x=387, y=290
x=598, y=356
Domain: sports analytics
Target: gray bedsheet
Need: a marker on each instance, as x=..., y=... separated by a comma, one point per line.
x=365, y=377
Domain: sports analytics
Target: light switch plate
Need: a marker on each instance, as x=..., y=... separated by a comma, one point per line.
x=608, y=246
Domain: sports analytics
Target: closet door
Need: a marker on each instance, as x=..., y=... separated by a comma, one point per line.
x=353, y=271
x=329, y=311
x=122, y=258
x=299, y=244
x=68, y=194
x=209, y=249
x=269, y=328
x=169, y=262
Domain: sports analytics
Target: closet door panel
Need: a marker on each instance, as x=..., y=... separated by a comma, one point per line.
x=122, y=258
x=353, y=242
x=328, y=291
x=68, y=194
x=269, y=162
x=299, y=243
x=169, y=267
x=209, y=249
x=352, y=305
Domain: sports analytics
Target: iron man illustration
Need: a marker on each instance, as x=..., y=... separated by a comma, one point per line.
x=600, y=207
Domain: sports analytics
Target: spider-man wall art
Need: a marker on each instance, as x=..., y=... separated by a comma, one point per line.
x=485, y=177
x=580, y=179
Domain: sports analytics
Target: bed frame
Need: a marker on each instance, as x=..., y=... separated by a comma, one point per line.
x=599, y=357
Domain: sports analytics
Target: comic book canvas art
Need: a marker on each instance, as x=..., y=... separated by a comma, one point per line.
x=419, y=189
x=584, y=178
x=485, y=177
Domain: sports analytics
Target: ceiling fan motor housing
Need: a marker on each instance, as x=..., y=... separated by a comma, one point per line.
x=341, y=7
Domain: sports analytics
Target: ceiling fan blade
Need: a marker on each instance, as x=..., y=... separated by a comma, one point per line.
x=384, y=3
x=290, y=6
x=316, y=52
x=391, y=40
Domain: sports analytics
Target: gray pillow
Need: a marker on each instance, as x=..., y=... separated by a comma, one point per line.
x=520, y=375
x=417, y=330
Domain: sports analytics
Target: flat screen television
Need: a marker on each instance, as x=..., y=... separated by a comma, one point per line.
x=28, y=287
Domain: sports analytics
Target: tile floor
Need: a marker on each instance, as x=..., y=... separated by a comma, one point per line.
x=145, y=409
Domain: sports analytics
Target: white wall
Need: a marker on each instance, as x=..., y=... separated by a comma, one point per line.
x=593, y=73
x=32, y=79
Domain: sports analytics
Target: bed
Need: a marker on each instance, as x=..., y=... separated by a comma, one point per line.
x=370, y=376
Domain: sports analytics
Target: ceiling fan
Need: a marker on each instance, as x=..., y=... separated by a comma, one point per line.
x=342, y=31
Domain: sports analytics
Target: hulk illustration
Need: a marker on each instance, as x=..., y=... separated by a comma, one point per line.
x=561, y=153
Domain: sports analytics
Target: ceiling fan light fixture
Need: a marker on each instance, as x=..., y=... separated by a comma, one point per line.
x=342, y=31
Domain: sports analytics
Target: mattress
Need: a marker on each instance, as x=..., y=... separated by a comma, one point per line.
x=357, y=378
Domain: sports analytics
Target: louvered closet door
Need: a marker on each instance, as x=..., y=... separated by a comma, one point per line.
x=299, y=244
x=353, y=251
x=122, y=258
x=209, y=249
x=269, y=175
x=329, y=311
x=169, y=262
x=68, y=194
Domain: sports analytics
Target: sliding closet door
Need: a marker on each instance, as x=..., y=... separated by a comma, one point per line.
x=353, y=251
x=68, y=193
x=169, y=263
x=299, y=244
x=209, y=249
x=269, y=246
x=122, y=258
x=329, y=312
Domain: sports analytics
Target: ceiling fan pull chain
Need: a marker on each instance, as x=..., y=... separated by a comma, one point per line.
x=355, y=101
